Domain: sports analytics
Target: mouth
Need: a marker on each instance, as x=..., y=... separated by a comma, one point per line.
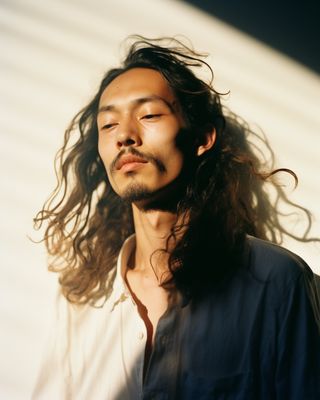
x=129, y=162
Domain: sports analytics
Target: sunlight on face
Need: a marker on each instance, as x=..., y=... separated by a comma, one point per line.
x=138, y=124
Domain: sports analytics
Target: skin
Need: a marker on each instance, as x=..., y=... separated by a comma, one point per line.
x=139, y=112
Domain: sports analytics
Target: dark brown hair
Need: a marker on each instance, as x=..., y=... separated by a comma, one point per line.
x=225, y=197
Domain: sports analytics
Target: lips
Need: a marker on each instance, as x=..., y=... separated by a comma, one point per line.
x=129, y=159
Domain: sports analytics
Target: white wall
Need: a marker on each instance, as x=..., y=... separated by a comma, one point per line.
x=53, y=54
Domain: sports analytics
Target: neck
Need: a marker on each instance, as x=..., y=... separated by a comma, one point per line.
x=152, y=230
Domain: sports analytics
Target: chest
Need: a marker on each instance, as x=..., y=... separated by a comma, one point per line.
x=151, y=300
x=194, y=348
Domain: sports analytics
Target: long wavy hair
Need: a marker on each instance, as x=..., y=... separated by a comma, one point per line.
x=226, y=196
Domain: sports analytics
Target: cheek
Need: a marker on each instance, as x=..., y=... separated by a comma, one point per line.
x=101, y=147
x=100, y=151
x=104, y=152
x=173, y=160
x=177, y=164
x=106, y=160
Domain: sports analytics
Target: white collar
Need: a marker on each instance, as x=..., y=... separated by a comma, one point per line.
x=120, y=291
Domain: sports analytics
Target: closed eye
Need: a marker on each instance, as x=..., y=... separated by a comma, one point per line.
x=107, y=126
x=150, y=116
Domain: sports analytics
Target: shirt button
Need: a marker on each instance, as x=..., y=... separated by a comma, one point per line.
x=163, y=340
x=140, y=335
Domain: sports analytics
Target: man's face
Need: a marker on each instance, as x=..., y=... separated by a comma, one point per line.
x=138, y=124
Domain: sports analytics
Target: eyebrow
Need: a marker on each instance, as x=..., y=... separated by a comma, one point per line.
x=137, y=102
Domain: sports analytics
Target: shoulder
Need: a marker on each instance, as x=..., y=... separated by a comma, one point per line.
x=269, y=262
x=283, y=275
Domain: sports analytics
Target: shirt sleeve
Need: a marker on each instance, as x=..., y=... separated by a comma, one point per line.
x=54, y=371
x=298, y=342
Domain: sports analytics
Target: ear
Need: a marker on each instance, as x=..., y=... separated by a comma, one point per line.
x=208, y=142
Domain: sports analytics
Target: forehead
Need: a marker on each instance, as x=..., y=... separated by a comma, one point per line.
x=135, y=83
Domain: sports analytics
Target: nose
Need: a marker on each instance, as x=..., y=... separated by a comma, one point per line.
x=128, y=134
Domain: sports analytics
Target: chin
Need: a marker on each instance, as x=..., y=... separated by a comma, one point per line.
x=164, y=199
x=136, y=192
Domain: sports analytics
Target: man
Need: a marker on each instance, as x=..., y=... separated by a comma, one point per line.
x=159, y=237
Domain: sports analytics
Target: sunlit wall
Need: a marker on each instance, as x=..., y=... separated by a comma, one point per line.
x=53, y=54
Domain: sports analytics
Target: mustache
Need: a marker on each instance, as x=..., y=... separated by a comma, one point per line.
x=145, y=156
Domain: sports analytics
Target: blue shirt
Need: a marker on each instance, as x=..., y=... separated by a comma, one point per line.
x=254, y=339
